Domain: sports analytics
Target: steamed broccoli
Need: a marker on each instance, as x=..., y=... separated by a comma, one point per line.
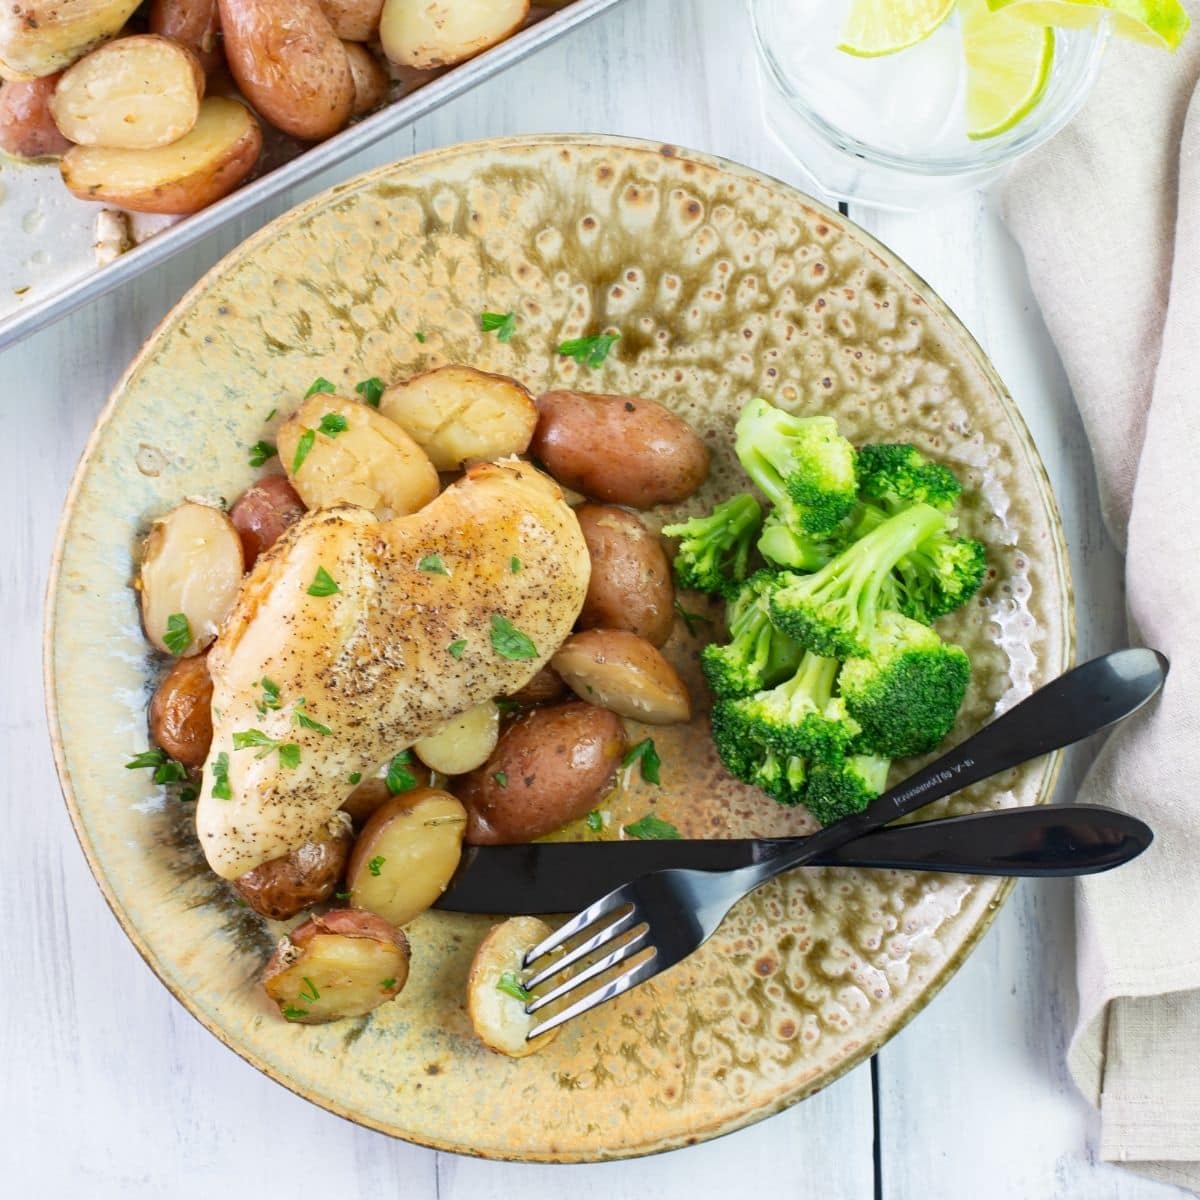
x=835, y=790
x=785, y=544
x=833, y=611
x=781, y=776
x=906, y=691
x=758, y=655
x=804, y=459
x=714, y=551
x=895, y=475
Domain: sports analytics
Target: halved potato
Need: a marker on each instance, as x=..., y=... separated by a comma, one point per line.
x=370, y=462
x=497, y=974
x=439, y=33
x=39, y=37
x=282, y=887
x=136, y=93
x=464, y=743
x=191, y=571
x=202, y=166
x=460, y=416
x=370, y=79
x=406, y=854
x=341, y=964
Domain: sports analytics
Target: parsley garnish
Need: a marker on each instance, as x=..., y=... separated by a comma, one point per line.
x=509, y=642
x=323, y=584
x=388, y=983
x=320, y=384
x=178, y=635
x=457, y=647
x=356, y=777
x=501, y=778
x=589, y=351
x=433, y=564
x=187, y=795
x=303, y=446
x=420, y=337
x=514, y=564
x=376, y=865
x=644, y=752
x=651, y=828
x=270, y=694
x=509, y=983
x=399, y=777
x=595, y=822
x=220, y=788
x=260, y=452
x=271, y=414
x=166, y=770
x=305, y=721
x=332, y=424
x=506, y=704
x=292, y=1013
x=691, y=619
x=371, y=390
x=503, y=325
x=289, y=752
x=342, y=895
x=312, y=994
x=289, y=755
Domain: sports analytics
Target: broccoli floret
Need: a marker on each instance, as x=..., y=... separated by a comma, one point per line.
x=781, y=776
x=833, y=611
x=835, y=790
x=758, y=655
x=714, y=551
x=800, y=717
x=899, y=474
x=803, y=459
x=906, y=691
x=785, y=544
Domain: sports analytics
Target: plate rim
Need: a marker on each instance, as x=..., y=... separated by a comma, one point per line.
x=418, y=162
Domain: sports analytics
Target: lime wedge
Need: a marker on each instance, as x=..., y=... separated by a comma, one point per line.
x=1008, y=66
x=1159, y=23
x=876, y=27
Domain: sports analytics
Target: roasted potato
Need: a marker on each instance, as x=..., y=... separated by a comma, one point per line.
x=39, y=37
x=406, y=854
x=289, y=64
x=619, y=449
x=549, y=767
x=439, y=33
x=262, y=512
x=192, y=568
x=542, y=688
x=371, y=83
x=181, y=711
x=341, y=964
x=372, y=462
x=195, y=24
x=201, y=167
x=136, y=93
x=27, y=130
x=460, y=416
x=281, y=888
x=494, y=1001
x=623, y=672
x=353, y=20
x=630, y=586
x=462, y=744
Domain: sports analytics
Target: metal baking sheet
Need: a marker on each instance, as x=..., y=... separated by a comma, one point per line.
x=47, y=256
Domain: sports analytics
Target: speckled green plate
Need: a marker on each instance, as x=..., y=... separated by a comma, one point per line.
x=724, y=284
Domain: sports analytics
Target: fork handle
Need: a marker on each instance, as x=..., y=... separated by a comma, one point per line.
x=1074, y=706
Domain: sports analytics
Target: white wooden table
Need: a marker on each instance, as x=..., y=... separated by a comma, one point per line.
x=109, y=1087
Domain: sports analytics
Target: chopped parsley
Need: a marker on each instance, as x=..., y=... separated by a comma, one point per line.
x=420, y=337
x=305, y=721
x=457, y=647
x=271, y=414
x=433, y=564
x=320, y=384
x=371, y=390
x=691, y=619
x=311, y=995
x=303, y=446
x=376, y=865
x=399, y=777
x=589, y=351
x=506, y=704
x=323, y=584
x=501, y=778
x=166, y=770
x=388, y=983
x=187, y=795
x=511, y=985
x=270, y=695
x=292, y=1013
x=289, y=755
x=220, y=788
x=514, y=564
x=246, y=739
x=356, y=777
x=595, y=822
x=509, y=642
x=342, y=895
x=260, y=452
x=332, y=424
x=645, y=753
x=503, y=325
x=653, y=829
x=177, y=636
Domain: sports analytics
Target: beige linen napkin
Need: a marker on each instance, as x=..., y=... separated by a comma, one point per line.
x=1108, y=216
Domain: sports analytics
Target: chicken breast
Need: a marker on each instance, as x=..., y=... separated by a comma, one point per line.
x=353, y=638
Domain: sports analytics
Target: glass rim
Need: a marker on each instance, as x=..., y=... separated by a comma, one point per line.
x=987, y=159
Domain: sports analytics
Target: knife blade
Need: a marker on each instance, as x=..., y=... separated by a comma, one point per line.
x=554, y=877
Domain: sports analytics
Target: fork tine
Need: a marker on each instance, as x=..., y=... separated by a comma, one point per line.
x=564, y=933
x=622, y=952
x=585, y=948
x=644, y=970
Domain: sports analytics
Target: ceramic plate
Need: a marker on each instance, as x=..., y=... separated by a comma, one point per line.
x=724, y=285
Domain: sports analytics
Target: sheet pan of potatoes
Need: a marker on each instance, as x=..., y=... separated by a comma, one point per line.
x=512, y=769
x=146, y=111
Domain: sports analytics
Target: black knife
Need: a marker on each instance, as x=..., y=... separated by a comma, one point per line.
x=554, y=877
